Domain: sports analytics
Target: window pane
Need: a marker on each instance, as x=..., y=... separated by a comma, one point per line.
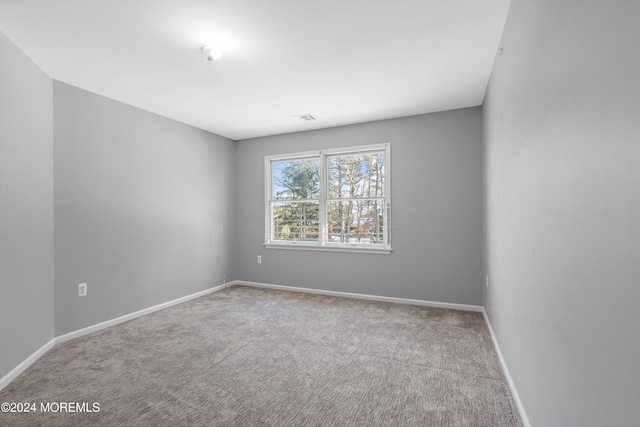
x=356, y=175
x=355, y=221
x=296, y=179
x=295, y=221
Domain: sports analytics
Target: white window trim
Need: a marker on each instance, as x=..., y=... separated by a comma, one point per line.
x=322, y=244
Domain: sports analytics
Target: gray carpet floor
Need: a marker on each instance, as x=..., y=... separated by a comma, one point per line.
x=255, y=357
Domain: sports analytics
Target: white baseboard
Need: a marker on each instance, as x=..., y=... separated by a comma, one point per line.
x=512, y=385
x=136, y=314
x=4, y=381
x=13, y=374
x=362, y=296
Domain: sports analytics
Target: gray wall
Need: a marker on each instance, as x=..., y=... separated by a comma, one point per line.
x=26, y=207
x=436, y=163
x=142, y=208
x=562, y=133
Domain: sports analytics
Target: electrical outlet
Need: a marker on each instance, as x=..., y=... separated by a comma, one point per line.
x=486, y=280
x=259, y=259
x=82, y=290
x=224, y=279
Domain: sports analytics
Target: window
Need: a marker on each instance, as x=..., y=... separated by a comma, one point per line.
x=329, y=200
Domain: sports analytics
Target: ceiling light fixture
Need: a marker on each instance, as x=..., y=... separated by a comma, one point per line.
x=211, y=53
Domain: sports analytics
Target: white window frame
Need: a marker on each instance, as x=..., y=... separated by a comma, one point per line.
x=322, y=244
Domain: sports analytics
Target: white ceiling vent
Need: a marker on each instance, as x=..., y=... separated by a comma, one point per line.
x=305, y=117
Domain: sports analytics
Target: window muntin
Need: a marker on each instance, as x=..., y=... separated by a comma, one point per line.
x=332, y=199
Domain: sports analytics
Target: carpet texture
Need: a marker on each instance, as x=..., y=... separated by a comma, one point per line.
x=254, y=357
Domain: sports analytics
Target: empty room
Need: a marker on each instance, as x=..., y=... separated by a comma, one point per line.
x=320, y=213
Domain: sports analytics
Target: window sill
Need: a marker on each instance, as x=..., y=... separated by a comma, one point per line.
x=352, y=249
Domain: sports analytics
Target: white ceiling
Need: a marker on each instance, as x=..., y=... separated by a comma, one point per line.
x=343, y=61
